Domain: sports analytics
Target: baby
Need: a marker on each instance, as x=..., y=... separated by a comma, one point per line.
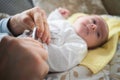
x=92, y=29
x=70, y=42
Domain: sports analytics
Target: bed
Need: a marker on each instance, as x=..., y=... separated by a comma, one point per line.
x=110, y=71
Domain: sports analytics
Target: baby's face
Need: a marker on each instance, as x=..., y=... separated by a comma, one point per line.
x=92, y=29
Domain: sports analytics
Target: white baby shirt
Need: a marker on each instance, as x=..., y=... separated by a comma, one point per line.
x=66, y=49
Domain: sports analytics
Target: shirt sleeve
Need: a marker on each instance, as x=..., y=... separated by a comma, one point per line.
x=3, y=26
x=55, y=15
x=4, y=31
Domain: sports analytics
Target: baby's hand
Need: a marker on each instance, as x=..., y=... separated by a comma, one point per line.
x=64, y=12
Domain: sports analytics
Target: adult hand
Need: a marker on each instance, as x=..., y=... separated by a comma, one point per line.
x=22, y=59
x=28, y=20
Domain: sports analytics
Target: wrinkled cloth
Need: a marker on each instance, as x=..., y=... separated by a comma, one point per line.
x=66, y=49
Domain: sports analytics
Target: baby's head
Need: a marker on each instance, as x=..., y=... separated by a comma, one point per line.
x=93, y=29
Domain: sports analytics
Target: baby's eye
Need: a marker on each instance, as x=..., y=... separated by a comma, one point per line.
x=94, y=21
x=98, y=34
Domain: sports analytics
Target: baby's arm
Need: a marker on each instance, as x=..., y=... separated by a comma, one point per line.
x=60, y=13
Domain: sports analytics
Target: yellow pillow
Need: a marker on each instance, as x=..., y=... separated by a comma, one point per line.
x=98, y=58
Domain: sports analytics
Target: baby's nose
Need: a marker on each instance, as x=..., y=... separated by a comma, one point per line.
x=93, y=27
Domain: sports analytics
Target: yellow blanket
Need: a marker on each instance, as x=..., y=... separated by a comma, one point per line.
x=98, y=58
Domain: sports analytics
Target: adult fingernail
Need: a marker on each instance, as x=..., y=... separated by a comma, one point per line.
x=49, y=40
x=45, y=39
x=41, y=35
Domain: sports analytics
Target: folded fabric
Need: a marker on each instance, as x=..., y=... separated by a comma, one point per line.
x=98, y=58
